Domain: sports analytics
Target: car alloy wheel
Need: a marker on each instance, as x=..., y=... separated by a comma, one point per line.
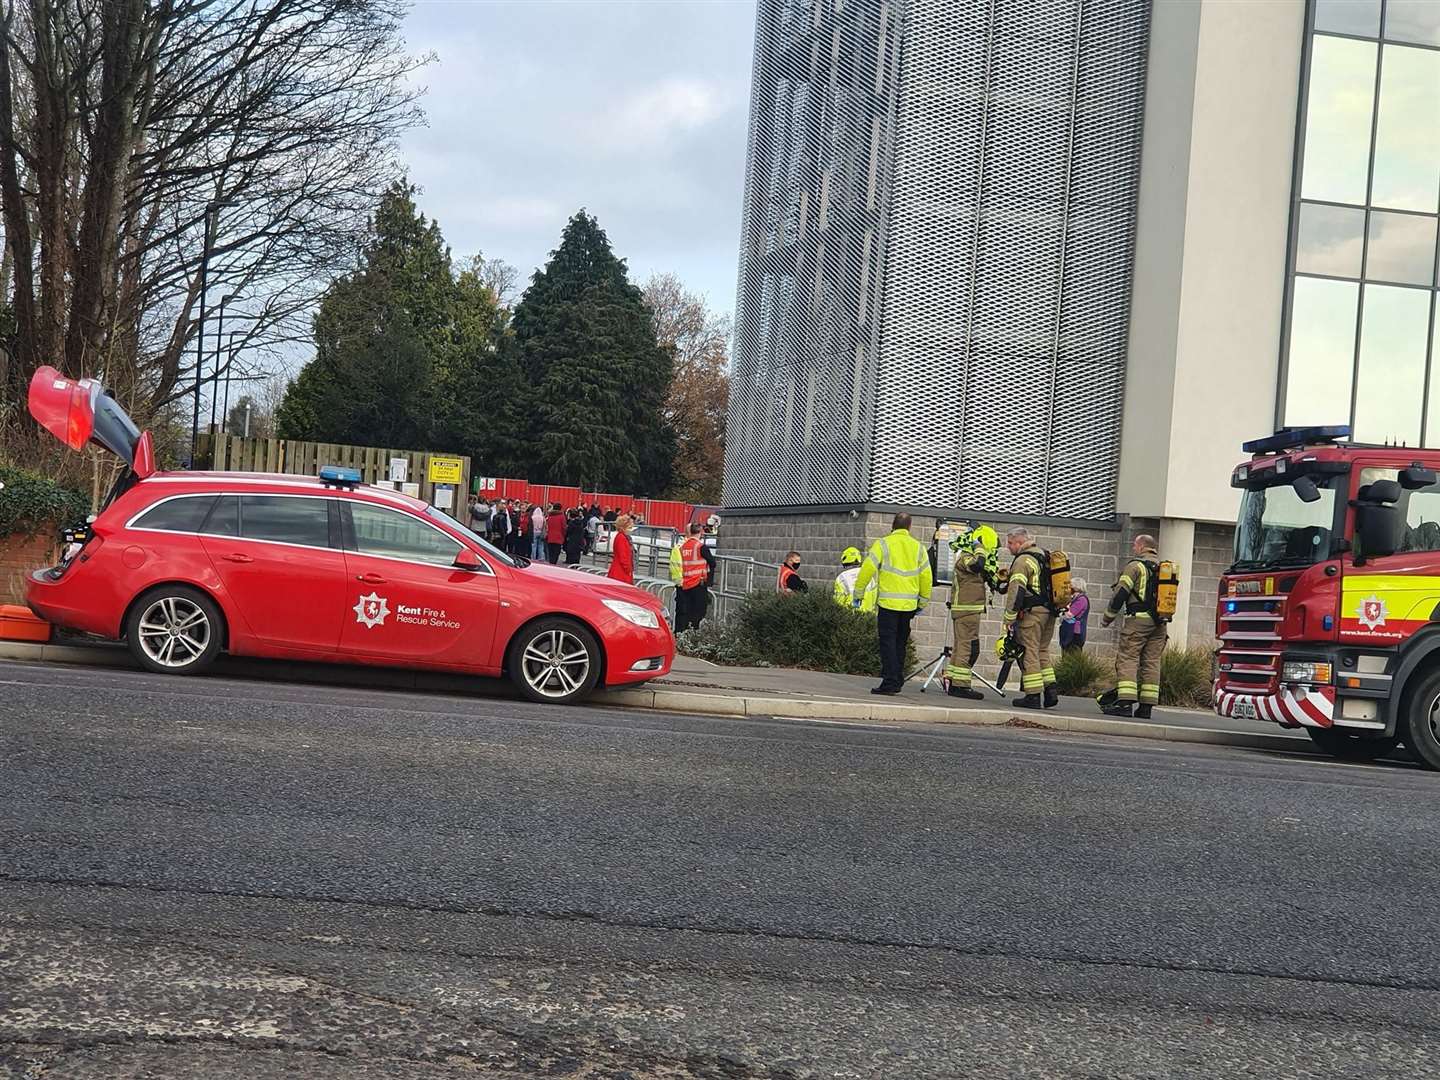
x=555, y=663
x=174, y=632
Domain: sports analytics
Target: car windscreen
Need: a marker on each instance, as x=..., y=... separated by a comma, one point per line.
x=484, y=545
x=1278, y=528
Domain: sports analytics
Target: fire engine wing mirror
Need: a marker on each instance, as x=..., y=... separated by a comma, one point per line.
x=1416, y=477
x=1306, y=488
x=1379, y=493
x=468, y=560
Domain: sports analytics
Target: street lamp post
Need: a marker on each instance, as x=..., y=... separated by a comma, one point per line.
x=215, y=378
x=229, y=363
x=212, y=211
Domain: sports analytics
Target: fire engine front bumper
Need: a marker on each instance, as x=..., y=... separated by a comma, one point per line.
x=1292, y=706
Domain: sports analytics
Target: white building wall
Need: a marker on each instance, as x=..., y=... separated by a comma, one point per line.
x=1205, y=329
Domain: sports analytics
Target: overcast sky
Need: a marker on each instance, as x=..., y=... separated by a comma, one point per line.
x=634, y=110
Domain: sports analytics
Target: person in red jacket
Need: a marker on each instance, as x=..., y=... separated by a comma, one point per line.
x=622, y=551
x=554, y=533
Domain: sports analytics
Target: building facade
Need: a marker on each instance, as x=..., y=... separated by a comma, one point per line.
x=1103, y=242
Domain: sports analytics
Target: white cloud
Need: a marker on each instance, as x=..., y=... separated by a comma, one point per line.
x=656, y=115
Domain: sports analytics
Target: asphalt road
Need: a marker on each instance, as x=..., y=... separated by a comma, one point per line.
x=227, y=878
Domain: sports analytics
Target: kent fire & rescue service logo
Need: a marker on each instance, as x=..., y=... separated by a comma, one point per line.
x=1372, y=613
x=371, y=610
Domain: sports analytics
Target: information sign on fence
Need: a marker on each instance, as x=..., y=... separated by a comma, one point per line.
x=446, y=470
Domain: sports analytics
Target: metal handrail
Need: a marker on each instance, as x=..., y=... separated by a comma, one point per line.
x=736, y=577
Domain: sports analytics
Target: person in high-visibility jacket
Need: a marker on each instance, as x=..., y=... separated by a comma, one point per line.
x=1030, y=616
x=900, y=567
x=691, y=564
x=851, y=559
x=967, y=605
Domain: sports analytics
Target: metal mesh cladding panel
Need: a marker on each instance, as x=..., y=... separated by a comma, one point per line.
x=821, y=128
x=935, y=268
x=1007, y=279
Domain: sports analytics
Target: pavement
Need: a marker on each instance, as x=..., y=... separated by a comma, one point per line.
x=698, y=687
x=236, y=877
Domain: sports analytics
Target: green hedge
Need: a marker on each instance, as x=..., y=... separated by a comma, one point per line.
x=32, y=503
x=1185, y=676
x=806, y=630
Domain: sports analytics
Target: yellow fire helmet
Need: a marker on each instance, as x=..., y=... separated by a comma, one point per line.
x=987, y=537
x=850, y=557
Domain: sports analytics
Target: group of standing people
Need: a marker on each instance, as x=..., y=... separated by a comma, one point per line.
x=541, y=533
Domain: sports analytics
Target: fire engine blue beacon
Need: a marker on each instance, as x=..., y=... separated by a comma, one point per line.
x=339, y=476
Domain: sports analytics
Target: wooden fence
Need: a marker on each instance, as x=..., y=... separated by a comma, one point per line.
x=230, y=453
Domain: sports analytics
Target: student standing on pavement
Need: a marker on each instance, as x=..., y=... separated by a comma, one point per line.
x=1029, y=616
x=554, y=534
x=537, y=533
x=1142, y=638
x=574, y=537
x=901, y=569
x=622, y=551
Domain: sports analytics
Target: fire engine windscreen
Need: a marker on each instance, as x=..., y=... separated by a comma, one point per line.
x=1279, y=528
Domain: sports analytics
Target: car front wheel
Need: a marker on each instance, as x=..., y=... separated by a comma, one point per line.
x=555, y=661
x=174, y=630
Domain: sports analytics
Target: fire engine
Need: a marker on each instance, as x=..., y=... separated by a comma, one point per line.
x=1329, y=617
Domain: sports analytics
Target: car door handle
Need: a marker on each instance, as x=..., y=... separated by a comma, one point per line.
x=370, y=579
x=236, y=556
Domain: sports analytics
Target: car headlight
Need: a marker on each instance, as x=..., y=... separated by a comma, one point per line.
x=1305, y=671
x=640, y=616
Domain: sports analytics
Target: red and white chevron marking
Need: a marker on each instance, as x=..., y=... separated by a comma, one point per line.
x=1315, y=708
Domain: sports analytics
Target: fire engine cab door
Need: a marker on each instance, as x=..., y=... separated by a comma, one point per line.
x=407, y=600
x=1390, y=597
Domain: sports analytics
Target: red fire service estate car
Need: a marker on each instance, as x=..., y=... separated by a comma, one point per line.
x=183, y=565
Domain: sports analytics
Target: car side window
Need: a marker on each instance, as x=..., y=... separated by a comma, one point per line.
x=177, y=515
x=1422, y=511
x=285, y=519
x=393, y=535
x=224, y=519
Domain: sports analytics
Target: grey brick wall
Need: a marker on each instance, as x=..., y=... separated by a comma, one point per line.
x=1214, y=547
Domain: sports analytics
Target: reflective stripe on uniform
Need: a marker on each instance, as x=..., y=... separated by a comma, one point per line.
x=967, y=609
x=1032, y=683
x=1150, y=693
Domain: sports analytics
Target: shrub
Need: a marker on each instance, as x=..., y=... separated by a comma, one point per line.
x=1082, y=673
x=806, y=630
x=1186, y=678
x=30, y=502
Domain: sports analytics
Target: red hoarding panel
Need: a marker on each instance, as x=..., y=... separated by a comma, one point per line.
x=669, y=515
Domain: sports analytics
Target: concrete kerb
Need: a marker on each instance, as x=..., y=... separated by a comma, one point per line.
x=682, y=701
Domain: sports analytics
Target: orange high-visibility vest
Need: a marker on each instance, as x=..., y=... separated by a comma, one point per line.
x=693, y=567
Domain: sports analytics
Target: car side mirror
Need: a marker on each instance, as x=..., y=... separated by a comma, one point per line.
x=466, y=559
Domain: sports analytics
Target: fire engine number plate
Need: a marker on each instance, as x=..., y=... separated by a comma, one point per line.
x=1243, y=709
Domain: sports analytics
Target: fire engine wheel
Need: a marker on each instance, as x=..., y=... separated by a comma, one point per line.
x=174, y=630
x=1422, y=735
x=556, y=661
x=1348, y=747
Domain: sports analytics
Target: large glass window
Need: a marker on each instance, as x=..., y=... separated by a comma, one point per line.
x=283, y=519
x=393, y=535
x=1277, y=527
x=1361, y=311
x=1322, y=352
x=1337, y=119
x=1391, y=386
x=1407, y=139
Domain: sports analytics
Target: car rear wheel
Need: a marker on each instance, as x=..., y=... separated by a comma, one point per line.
x=1348, y=747
x=555, y=661
x=1422, y=712
x=174, y=630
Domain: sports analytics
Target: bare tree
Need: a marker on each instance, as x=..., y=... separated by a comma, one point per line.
x=132, y=129
x=699, y=340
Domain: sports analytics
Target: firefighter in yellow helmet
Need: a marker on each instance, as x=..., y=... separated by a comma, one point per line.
x=850, y=560
x=975, y=553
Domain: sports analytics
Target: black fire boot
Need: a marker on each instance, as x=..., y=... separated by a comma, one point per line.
x=966, y=692
x=1142, y=711
x=1052, y=697
x=1117, y=708
x=1029, y=701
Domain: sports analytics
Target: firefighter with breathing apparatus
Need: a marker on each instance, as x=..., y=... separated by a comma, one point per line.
x=976, y=570
x=1147, y=593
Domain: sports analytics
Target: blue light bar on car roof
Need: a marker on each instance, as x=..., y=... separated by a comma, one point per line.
x=1294, y=438
x=339, y=476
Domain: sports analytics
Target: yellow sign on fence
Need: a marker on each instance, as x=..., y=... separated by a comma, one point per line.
x=446, y=470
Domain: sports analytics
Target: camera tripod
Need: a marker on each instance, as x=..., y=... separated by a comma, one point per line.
x=938, y=665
